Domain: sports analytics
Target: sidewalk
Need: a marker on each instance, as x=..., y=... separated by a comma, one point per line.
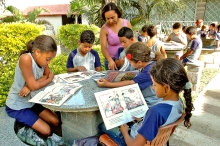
x=205, y=129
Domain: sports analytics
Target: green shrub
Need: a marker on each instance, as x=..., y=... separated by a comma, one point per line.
x=70, y=34
x=13, y=38
x=58, y=64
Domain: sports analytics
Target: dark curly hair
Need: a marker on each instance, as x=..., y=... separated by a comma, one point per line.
x=87, y=36
x=171, y=72
x=141, y=52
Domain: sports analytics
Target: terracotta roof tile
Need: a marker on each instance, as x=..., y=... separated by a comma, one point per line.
x=60, y=9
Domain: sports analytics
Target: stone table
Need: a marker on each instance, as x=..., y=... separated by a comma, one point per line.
x=80, y=121
x=173, y=49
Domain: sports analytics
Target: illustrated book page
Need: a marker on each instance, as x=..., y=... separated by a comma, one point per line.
x=119, y=105
x=116, y=76
x=79, y=76
x=55, y=94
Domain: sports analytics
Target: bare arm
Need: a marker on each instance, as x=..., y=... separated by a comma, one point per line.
x=138, y=141
x=75, y=69
x=189, y=52
x=98, y=68
x=163, y=52
x=168, y=39
x=25, y=64
x=104, y=83
x=103, y=41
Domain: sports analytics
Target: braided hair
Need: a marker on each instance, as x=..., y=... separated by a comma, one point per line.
x=171, y=72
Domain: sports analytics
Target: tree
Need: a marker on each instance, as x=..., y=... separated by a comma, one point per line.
x=139, y=12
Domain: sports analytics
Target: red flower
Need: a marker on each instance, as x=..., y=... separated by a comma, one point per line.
x=129, y=56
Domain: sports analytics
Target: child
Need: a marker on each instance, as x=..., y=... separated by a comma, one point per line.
x=203, y=32
x=177, y=36
x=167, y=111
x=199, y=24
x=126, y=38
x=143, y=37
x=32, y=73
x=195, y=49
x=211, y=31
x=84, y=58
x=140, y=57
x=153, y=42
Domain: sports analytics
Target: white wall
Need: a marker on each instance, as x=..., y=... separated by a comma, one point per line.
x=56, y=21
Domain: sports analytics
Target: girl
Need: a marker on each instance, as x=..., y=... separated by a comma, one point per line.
x=139, y=56
x=169, y=79
x=32, y=73
x=203, y=32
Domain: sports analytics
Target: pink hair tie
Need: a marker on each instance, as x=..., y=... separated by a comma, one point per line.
x=129, y=56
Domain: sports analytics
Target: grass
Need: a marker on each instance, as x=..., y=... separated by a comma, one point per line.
x=207, y=75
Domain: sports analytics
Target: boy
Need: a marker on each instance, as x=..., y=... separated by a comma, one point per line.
x=195, y=49
x=217, y=37
x=84, y=58
x=153, y=42
x=143, y=37
x=211, y=32
x=126, y=38
x=177, y=36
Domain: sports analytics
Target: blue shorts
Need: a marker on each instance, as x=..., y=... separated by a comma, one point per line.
x=27, y=116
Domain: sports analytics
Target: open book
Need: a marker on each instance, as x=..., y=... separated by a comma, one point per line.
x=55, y=94
x=116, y=76
x=118, y=105
x=79, y=76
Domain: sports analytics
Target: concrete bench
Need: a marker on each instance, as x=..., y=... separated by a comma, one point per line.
x=194, y=72
x=210, y=57
x=7, y=133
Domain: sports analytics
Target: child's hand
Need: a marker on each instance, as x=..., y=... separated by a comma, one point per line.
x=24, y=91
x=101, y=82
x=124, y=128
x=137, y=120
x=81, y=68
x=122, y=60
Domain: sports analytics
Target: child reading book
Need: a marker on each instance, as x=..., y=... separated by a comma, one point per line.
x=84, y=58
x=167, y=88
x=126, y=38
x=165, y=112
x=32, y=73
x=139, y=56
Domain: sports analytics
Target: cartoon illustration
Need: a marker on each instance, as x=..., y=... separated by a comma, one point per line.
x=57, y=97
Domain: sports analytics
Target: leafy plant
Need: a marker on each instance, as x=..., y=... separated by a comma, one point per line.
x=70, y=34
x=13, y=38
x=58, y=64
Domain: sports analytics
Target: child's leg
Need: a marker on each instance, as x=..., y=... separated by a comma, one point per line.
x=47, y=121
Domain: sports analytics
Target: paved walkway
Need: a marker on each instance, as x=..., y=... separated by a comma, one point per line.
x=205, y=129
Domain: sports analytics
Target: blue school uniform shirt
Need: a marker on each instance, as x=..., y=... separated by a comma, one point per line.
x=126, y=66
x=145, y=83
x=161, y=114
x=90, y=61
x=196, y=46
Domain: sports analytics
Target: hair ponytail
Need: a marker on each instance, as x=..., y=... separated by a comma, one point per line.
x=44, y=43
x=29, y=48
x=189, y=107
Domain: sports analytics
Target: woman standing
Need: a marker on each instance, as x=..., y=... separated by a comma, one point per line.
x=109, y=33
